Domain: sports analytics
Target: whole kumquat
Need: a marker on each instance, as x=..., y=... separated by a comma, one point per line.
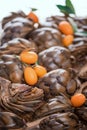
x=67, y=40
x=78, y=100
x=40, y=70
x=66, y=28
x=28, y=57
x=33, y=17
x=30, y=76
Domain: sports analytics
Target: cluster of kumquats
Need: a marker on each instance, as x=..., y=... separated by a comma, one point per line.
x=32, y=70
x=66, y=28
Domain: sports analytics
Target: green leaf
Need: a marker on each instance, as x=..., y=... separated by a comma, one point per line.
x=62, y=9
x=33, y=9
x=84, y=34
x=65, y=9
x=73, y=23
x=70, y=5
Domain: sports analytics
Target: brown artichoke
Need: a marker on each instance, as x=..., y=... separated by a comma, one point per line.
x=79, y=51
x=58, y=81
x=11, y=68
x=10, y=121
x=55, y=57
x=16, y=26
x=20, y=99
x=46, y=37
x=63, y=121
x=58, y=104
x=83, y=72
x=53, y=21
x=12, y=16
x=16, y=45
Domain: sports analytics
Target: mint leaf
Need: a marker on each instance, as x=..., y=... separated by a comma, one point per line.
x=65, y=9
x=62, y=9
x=73, y=23
x=33, y=9
x=84, y=34
x=70, y=5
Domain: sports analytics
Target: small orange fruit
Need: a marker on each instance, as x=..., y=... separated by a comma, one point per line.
x=40, y=70
x=66, y=28
x=33, y=17
x=28, y=57
x=78, y=100
x=30, y=76
x=67, y=40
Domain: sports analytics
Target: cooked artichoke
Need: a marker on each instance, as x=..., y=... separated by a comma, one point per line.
x=20, y=99
x=55, y=57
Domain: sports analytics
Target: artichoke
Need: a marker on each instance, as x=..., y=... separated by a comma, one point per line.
x=16, y=46
x=46, y=37
x=60, y=121
x=60, y=103
x=58, y=81
x=20, y=99
x=11, y=121
x=16, y=26
x=55, y=57
x=11, y=68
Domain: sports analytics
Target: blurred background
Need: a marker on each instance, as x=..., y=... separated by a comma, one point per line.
x=45, y=7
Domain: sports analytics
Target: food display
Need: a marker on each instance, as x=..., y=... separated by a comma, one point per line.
x=43, y=71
